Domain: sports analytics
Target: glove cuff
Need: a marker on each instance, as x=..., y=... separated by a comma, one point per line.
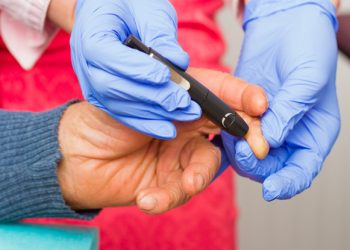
x=263, y=8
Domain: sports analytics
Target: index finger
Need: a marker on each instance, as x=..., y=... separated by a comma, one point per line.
x=237, y=93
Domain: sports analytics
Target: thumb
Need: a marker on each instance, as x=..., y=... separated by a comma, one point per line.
x=237, y=93
x=296, y=176
x=300, y=92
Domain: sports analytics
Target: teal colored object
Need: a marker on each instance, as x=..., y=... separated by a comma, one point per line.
x=47, y=237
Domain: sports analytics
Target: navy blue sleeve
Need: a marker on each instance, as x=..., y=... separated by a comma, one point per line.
x=29, y=155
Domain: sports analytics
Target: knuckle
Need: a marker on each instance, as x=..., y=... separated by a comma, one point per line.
x=177, y=197
x=216, y=153
x=225, y=79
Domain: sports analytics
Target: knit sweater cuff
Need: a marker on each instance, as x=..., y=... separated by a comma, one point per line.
x=29, y=154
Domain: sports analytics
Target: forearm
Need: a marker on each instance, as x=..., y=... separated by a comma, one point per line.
x=33, y=12
x=61, y=13
x=29, y=153
x=336, y=3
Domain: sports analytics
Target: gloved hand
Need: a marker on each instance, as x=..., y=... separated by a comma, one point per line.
x=106, y=164
x=132, y=87
x=290, y=50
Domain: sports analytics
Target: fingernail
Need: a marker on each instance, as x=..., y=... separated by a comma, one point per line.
x=148, y=203
x=199, y=181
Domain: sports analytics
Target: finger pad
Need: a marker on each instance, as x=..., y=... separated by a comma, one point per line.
x=254, y=101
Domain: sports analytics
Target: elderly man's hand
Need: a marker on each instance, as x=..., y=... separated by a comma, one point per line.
x=107, y=164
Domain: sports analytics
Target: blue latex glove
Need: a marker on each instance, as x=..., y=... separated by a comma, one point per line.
x=290, y=50
x=132, y=87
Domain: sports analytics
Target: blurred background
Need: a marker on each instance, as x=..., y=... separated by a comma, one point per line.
x=319, y=218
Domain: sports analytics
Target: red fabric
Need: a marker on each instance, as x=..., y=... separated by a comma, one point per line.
x=208, y=220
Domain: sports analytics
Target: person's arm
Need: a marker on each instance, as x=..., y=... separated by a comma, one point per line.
x=37, y=21
x=336, y=3
x=29, y=153
x=107, y=164
x=82, y=154
x=62, y=13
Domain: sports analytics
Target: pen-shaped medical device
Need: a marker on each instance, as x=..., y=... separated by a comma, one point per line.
x=212, y=106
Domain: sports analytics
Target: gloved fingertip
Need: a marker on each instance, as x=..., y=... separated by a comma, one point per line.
x=196, y=110
x=177, y=100
x=243, y=151
x=154, y=73
x=245, y=159
x=191, y=113
x=162, y=130
x=184, y=100
x=278, y=122
x=271, y=190
x=182, y=59
x=174, y=53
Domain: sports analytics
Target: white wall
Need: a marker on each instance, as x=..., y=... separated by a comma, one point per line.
x=345, y=6
x=318, y=219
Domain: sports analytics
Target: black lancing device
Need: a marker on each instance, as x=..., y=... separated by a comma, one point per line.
x=212, y=106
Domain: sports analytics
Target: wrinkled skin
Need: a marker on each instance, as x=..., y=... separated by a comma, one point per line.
x=107, y=164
